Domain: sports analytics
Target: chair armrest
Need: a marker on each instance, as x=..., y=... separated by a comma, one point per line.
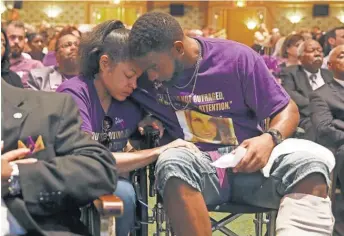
x=109, y=205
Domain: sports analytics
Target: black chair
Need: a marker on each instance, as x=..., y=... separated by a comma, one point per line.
x=237, y=210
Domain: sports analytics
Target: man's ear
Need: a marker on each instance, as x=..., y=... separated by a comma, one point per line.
x=104, y=62
x=329, y=65
x=331, y=41
x=178, y=47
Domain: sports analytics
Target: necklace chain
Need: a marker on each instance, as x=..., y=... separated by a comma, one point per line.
x=195, y=75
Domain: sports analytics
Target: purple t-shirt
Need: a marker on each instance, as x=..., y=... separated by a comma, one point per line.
x=234, y=93
x=50, y=59
x=125, y=115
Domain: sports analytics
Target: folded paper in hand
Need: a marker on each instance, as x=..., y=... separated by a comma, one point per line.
x=287, y=146
x=230, y=160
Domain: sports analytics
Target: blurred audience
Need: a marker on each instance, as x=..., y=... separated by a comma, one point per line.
x=289, y=50
x=50, y=58
x=36, y=44
x=16, y=36
x=300, y=80
x=9, y=76
x=49, y=78
x=334, y=38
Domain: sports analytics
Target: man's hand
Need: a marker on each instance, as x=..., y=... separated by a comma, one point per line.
x=151, y=121
x=258, y=152
x=180, y=143
x=13, y=156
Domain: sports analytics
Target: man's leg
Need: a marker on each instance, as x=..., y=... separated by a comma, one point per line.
x=187, y=183
x=186, y=209
x=297, y=187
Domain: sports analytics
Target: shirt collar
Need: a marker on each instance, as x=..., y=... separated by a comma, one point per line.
x=318, y=74
x=341, y=82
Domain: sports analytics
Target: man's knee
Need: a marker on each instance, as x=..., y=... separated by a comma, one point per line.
x=177, y=163
x=313, y=184
x=303, y=172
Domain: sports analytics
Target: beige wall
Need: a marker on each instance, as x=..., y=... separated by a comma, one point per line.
x=72, y=12
x=194, y=17
x=325, y=23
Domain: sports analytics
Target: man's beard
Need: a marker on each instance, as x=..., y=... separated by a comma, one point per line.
x=16, y=52
x=178, y=71
x=70, y=65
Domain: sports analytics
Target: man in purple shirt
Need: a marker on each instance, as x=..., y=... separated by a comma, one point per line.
x=216, y=93
x=16, y=36
x=49, y=78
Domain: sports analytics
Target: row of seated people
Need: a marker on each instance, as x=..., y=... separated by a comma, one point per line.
x=319, y=94
x=212, y=93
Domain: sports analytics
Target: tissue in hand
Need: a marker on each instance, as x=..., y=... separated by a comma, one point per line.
x=230, y=160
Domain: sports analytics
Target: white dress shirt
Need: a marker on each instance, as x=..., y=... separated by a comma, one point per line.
x=341, y=82
x=319, y=81
x=325, y=60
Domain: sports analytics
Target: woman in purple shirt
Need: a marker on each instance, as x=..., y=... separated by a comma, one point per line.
x=108, y=77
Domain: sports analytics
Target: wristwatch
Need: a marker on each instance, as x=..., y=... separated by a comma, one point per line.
x=276, y=136
x=14, y=185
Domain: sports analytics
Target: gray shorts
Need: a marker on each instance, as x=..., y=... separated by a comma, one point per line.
x=253, y=189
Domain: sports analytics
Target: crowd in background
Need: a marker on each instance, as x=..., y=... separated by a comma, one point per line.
x=44, y=57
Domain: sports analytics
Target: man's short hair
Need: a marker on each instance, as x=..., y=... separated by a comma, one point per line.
x=67, y=30
x=16, y=24
x=154, y=32
x=332, y=32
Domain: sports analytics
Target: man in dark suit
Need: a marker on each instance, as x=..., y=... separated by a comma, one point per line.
x=327, y=104
x=327, y=112
x=300, y=80
x=70, y=170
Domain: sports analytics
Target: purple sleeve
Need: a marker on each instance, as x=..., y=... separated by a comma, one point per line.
x=80, y=96
x=262, y=92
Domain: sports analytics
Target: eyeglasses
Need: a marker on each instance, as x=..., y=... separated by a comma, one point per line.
x=14, y=37
x=69, y=44
x=104, y=136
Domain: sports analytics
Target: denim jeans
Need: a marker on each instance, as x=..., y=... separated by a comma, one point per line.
x=253, y=188
x=125, y=191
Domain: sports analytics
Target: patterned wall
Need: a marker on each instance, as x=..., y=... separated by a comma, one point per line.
x=192, y=19
x=325, y=23
x=71, y=12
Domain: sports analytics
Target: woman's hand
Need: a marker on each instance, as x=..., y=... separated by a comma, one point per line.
x=180, y=143
x=151, y=121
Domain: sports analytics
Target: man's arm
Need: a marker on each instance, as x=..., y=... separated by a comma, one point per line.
x=287, y=120
x=323, y=121
x=289, y=85
x=267, y=99
x=81, y=171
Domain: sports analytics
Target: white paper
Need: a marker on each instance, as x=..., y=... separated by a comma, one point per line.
x=230, y=160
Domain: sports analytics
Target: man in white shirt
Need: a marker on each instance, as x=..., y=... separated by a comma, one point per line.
x=300, y=80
